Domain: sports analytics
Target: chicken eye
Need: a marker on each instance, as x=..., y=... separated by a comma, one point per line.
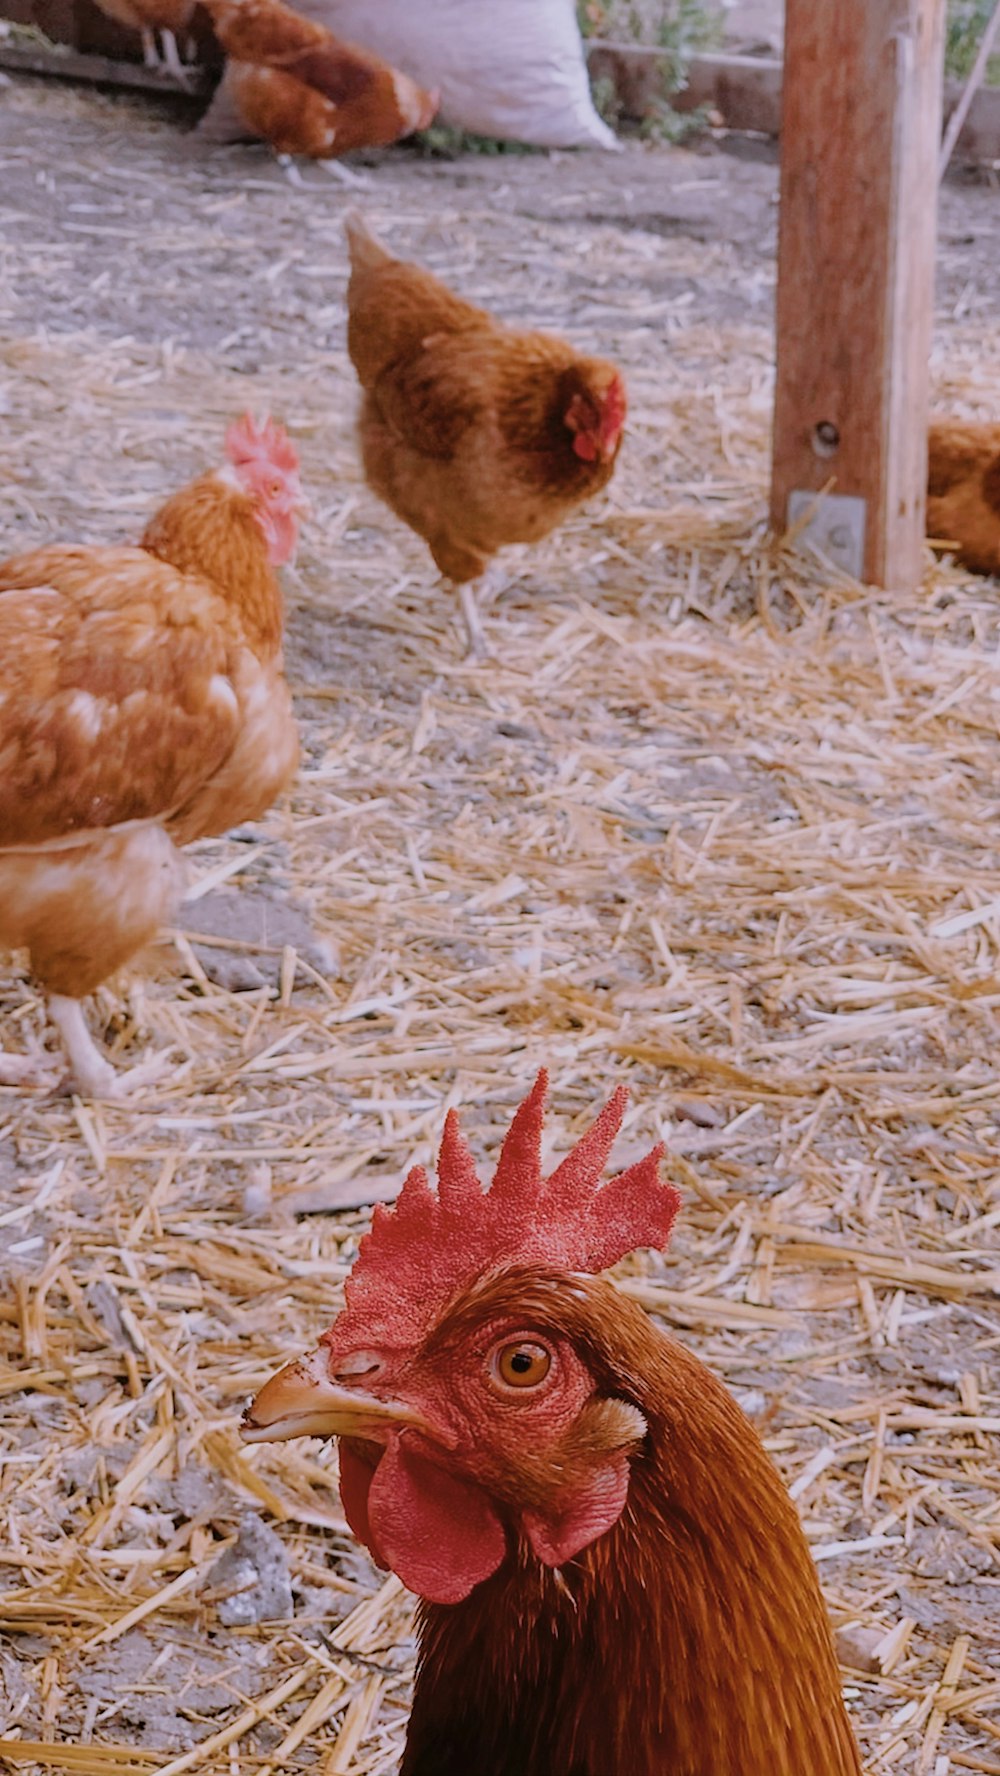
x=522, y=1364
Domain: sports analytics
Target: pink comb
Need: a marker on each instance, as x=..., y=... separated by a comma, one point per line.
x=427, y=1247
x=264, y=440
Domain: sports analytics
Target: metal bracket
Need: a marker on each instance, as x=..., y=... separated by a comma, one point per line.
x=832, y=526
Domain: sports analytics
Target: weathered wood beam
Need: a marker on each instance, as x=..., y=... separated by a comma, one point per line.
x=69, y=64
x=860, y=138
x=745, y=92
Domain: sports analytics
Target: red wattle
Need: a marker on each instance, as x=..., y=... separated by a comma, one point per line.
x=356, y=1475
x=590, y=1512
x=439, y=1533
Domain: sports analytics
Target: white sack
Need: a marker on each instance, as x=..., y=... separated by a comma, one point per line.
x=508, y=68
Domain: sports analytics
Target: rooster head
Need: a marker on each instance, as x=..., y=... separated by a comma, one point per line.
x=478, y=1375
x=595, y=414
x=266, y=467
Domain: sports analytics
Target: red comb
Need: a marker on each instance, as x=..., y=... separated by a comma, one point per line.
x=613, y=411
x=264, y=440
x=428, y=1246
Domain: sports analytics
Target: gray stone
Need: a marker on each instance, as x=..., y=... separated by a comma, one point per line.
x=251, y=1581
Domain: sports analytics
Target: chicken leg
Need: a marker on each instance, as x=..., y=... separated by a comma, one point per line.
x=95, y=1077
x=346, y=175
x=472, y=595
x=165, y=56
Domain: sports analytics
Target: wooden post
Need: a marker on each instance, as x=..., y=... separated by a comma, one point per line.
x=861, y=135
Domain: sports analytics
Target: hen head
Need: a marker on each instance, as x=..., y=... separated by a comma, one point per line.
x=478, y=1375
x=595, y=410
x=265, y=466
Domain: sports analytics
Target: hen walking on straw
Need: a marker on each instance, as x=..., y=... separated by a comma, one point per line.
x=144, y=704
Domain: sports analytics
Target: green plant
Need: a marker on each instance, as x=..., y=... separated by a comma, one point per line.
x=679, y=29
x=442, y=142
x=967, y=20
x=684, y=28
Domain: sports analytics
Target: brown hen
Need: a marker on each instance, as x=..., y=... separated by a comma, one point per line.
x=963, y=492
x=144, y=704
x=295, y=85
x=476, y=434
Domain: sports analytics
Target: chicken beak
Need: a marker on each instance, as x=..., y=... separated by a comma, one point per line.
x=302, y=1401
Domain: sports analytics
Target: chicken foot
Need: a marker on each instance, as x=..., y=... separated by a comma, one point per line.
x=90, y=1074
x=346, y=175
x=293, y=174
x=21, y=1070
x=94, y=1075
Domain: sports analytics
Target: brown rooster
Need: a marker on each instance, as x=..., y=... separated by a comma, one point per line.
x=615, y=1581
x=476, y=434
x=143, y=704
x=963, y=492
x=297, y=86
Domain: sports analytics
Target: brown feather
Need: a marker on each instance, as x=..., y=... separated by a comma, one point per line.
x=143, y=703
x=150, y=15
x=691, y=1638
x=963, y=489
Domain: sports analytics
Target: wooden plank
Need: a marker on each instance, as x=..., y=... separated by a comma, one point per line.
x=81, y=25
x=745, y=92
x=860, y=137
x=979, y=139
x=56, y=19
x=69, y=64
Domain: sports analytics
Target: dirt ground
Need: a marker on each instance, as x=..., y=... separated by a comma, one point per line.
x=707, y=821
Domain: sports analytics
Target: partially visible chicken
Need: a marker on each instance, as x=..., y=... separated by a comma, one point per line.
x=296, y=85
x=615, y=1581
x=143, y=705
x=963, y=491
x=475, y=433
x=168, y=17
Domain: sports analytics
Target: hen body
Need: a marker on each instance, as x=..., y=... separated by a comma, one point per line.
x=476, y=434
x=295, y=85
x=144, y=705
x=963, y=492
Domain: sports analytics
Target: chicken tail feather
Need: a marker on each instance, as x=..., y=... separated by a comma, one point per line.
x=367, y=250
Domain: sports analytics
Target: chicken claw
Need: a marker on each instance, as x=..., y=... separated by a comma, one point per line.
x=90, y=1075
x=337, y=170
x=22, y=1070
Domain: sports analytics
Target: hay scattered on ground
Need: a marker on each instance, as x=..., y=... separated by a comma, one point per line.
x=708, y=823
